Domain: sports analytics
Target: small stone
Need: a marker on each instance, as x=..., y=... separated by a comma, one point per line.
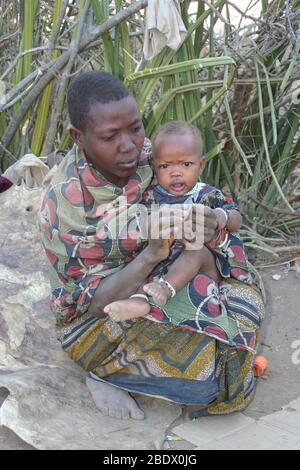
x=276, y=277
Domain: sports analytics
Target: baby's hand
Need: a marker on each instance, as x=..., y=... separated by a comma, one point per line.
x=222, y=217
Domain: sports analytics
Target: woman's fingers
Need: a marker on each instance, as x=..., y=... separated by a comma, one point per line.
x=166, y=222
x=194, y=223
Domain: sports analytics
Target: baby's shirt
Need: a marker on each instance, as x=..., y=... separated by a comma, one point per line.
x=231, y=259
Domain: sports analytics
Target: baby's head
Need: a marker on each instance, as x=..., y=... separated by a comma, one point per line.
x=177, y=157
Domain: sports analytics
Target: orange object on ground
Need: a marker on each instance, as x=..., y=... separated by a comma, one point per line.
x=260, y=366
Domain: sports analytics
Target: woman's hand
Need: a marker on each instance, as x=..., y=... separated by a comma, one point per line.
x=161, y=228
x=202, y=226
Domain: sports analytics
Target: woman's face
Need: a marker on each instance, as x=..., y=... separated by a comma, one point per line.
x=113, y=139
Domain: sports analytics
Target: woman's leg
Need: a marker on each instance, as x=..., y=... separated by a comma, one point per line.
x=175, y=363
x=112, y=401
x=142, y=357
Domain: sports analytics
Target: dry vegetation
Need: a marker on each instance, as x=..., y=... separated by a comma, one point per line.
x=241, y=87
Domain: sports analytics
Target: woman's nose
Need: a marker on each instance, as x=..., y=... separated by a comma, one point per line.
x=126, y=144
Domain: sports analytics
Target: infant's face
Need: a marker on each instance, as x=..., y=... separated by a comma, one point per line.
x=178, y=163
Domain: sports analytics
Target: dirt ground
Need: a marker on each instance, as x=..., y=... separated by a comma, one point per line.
x=281, y=329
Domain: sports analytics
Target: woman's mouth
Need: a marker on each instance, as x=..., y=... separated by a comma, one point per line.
x=128, y=164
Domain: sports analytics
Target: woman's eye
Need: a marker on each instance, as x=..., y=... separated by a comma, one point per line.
x=137, y=129
x=109, y=138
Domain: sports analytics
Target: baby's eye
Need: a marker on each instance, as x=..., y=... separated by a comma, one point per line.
x=187, y=164
x=163, y=166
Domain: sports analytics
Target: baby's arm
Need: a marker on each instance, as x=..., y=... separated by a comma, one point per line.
x=229, y=219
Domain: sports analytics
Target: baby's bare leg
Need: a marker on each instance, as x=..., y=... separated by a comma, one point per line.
x=186, y=266
x=158, y=291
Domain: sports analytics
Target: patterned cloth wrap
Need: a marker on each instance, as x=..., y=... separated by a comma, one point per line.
x=161, y=358
x=208, y=310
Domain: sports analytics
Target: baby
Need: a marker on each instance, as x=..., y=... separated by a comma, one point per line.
x=178, y=163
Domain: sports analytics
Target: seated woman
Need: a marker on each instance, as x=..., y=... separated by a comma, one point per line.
x=98, y=257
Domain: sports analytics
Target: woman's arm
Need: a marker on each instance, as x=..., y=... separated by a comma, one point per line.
x=126, y=282
x=160, y=230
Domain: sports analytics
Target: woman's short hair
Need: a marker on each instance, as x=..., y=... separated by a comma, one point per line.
x=176, y=128
x=89, y=88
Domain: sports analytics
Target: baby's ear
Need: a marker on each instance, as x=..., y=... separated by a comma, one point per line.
x=202, y=165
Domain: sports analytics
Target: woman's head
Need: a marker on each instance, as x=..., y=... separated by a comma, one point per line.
x=106, y=124
x=177, y=156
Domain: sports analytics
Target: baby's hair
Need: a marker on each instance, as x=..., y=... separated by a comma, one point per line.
x=176, y=128
x=89, y=88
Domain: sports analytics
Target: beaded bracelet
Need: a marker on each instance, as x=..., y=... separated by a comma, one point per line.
x=225, y=212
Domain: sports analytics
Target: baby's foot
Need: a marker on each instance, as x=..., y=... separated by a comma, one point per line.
x=123, y=310
x=159, y=292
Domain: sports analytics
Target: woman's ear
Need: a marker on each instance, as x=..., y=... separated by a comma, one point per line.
x=76, y=135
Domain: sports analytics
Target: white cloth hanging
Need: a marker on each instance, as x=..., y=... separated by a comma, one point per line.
x=164, y=27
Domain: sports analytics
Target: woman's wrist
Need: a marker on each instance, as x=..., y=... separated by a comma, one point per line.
x=151, y=256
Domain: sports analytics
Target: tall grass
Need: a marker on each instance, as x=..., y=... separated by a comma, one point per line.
x=237, y=88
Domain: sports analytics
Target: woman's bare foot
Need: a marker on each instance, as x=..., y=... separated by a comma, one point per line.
x=158, y=291
x=123, y=310
x=112, y=401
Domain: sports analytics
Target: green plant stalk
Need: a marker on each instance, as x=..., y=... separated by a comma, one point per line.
x=271, y=99
x=61, y=95
x=158, y=111
x=101, y=13
x=209, y=136
x=179, y=67
x=233, y=136
x=292, y=128
x=199, y=31
x=227, y=174
x=226, y=86
x=293, y=63
x=164, y=58
x=125, y=41
x=44, y=105
x=24, y=63
x=215, y=151
x=266, y=142
x=265, y=6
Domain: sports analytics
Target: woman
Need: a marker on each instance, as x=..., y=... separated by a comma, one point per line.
x=97, y=256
